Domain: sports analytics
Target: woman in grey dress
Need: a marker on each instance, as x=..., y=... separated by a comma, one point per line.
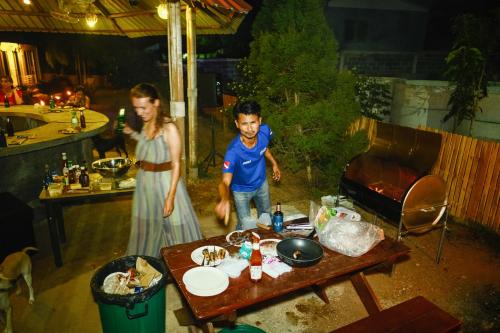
x=162, y=214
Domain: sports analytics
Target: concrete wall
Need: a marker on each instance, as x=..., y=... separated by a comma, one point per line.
x=424, y=103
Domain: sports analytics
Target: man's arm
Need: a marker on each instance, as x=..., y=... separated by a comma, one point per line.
x=222, y=207
x=276, y=169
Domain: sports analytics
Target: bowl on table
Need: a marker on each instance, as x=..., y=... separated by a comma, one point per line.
x=112, y=167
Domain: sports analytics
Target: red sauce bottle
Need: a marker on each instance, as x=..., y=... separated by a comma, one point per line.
x=255, y=259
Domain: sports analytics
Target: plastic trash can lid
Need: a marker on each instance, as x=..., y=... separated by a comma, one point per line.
x=242, y=328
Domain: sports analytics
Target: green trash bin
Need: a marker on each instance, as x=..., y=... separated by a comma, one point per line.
x=242, y=328
x=135, y=313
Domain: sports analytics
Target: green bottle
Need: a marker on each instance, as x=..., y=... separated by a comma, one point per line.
x=120, y=121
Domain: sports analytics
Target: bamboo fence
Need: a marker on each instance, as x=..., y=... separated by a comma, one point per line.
x=471, y=170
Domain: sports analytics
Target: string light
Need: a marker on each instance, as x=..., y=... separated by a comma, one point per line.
x=162, y=11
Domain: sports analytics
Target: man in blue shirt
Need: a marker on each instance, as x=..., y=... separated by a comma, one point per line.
x=244, y=169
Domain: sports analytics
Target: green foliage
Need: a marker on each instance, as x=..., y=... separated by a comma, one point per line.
x=374, y=97
x=466, y=70
x=291, y=71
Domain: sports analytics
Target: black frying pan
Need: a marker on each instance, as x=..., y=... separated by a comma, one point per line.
x=297, y=251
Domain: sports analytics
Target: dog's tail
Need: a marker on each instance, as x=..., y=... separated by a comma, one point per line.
x=29, y=248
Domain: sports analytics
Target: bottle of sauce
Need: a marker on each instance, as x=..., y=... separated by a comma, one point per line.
x=47, y=178
x=3, y=140
x=255, y=259
x=83, y=124
x=6, y=102
x=278, y=219
x=84, y=177
x=71, y=172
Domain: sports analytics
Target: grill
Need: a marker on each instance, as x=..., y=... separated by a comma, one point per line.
x=392, y=179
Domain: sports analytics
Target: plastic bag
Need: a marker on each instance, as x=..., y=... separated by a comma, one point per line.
x=352, y=239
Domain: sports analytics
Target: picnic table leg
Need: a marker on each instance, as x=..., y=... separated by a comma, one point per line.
x=319, y=289
x=366, y=293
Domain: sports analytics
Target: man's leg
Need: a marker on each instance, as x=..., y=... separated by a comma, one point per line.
x=262, y=200
x=242, y=203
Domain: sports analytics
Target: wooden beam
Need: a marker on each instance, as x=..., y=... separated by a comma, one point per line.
x=107, y=14
x=192, y=91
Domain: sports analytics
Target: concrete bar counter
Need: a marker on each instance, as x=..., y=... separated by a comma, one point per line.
x=39, y=139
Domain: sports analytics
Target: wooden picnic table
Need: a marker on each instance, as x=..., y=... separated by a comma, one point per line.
x=242, y=292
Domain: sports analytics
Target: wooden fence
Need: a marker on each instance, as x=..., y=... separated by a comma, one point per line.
x=471, y=170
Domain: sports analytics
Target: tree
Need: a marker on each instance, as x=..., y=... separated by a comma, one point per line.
x=309, y=104
x=466, y=69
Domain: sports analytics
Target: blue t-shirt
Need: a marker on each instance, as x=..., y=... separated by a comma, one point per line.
x=248, y=166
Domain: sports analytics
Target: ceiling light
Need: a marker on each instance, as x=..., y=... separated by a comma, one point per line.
x=91, y=19
x=162, y=11
x=27, y=2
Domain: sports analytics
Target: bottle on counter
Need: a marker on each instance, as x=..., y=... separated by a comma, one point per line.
x=120, y=121
x=84, y=177
x=74, y=120
x=255, y=259
x=278, y=219
x=9, y=127
x=83, y=123
x=3, y=140
x=52, y=102
x=64, y=164
x=6, y=102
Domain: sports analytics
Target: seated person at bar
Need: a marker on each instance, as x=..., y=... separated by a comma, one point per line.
x=79, y=98
x=15, y=96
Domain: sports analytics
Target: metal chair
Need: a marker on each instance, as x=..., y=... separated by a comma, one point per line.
x=425, y=208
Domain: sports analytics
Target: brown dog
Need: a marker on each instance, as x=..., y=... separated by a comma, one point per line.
x=14, y=265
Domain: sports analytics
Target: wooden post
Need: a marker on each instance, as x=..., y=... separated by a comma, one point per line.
x=192, y=90
x=177, y=104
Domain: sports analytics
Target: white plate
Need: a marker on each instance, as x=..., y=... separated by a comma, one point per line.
x=197, y=255
x=205, y=281
x=238, y=233
x=268, y=246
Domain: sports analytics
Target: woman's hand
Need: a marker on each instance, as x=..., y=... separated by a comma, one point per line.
x=169, y=207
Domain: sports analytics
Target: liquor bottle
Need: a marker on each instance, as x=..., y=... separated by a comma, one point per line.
x=64, y=164
x=84, y=177
x=71, y=172
x=6, y=102
x=47, y=178
x=3, y=140
x=278, y=219
x=83, y=124
x=120, y=121
x=52, y=102
x=9, y=127
x=255, y=259
x=74, y=120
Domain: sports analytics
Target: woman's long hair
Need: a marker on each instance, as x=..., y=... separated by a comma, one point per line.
x=148, y=90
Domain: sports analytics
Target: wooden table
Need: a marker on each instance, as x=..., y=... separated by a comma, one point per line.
x=55, y=218
x=242, y=292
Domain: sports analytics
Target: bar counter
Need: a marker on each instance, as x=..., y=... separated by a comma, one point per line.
x=22, y=165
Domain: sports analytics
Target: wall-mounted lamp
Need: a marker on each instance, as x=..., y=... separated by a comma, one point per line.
x=162, y=10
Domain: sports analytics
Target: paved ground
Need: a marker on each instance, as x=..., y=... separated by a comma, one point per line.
x=466, y=283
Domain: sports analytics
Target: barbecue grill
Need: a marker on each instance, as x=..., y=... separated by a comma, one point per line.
x=392, y=179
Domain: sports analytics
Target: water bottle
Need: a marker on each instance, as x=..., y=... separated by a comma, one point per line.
x=74, y=119
x=52, y=102
x=278, y=219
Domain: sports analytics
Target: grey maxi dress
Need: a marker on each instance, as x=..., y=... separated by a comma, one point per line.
x=150, y=231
